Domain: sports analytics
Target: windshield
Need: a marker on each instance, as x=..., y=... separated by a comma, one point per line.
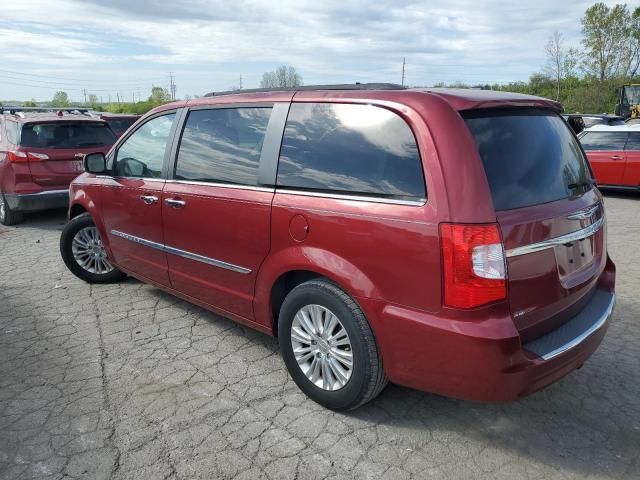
x=530, y=156
x=66, y=135
x=632, y=94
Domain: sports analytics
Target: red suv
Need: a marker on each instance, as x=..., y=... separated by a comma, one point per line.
x=40, y=153
x=614, y=154
x=119, y=122
x=447, y=240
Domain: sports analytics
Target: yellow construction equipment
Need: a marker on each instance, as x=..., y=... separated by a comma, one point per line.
x=629, y=101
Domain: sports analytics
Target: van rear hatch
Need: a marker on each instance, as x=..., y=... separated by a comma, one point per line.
x=55, y=149
x=549, y=213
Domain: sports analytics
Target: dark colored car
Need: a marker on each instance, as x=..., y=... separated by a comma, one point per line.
x=446, y=240
x=119, y=123
x=40, y=153
x=580, y=121
x=614, y=154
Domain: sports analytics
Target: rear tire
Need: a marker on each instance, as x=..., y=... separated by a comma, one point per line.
x=83, y=254
x=328, y=346
x=7, y=216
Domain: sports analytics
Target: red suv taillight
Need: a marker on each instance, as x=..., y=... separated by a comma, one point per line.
x=17, y=156
x=474, y=265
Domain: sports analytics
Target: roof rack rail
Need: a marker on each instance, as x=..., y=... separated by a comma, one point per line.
x=12, y=109
x=343, y=86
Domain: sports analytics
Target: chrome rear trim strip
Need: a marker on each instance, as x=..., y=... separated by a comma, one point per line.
x=181, y=253
x=553, y=242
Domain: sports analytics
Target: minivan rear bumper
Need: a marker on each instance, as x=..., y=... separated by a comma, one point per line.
x=482, y=358
x=31, y=202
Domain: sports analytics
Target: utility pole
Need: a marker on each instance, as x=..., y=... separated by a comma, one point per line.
x=118, y=97
x=240, y=82
x=172, y=86
x=402, y=72
x=85, y=95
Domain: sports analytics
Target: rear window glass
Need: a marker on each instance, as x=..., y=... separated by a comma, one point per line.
x=120, y=125
x=350, y=149
x=530, y=156
x=66, y=135
x=633, y=143
x=603, y=140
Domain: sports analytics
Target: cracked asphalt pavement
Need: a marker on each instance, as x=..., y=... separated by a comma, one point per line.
x=125, y=381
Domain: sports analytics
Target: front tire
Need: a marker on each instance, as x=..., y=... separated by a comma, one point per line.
x=8, y=217
x=83, y=253
x=328, y=346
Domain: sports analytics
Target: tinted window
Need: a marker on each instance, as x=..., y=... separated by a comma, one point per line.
x=530, y=156
x=357, y=149
x=142, y=154
x=603, y=140
x=222, y=145
x=633, y=143
x=120, y=125
x=66, y=135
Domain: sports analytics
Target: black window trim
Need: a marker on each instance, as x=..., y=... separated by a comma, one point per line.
x=267, y=166
x=629, y=140
x=361, y=196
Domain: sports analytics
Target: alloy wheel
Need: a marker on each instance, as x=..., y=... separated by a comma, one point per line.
x=322, y=347
x=89, y=252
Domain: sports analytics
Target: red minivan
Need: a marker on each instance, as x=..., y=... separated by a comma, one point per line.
x=446, y=240
x=40, y=153
x=614, y=154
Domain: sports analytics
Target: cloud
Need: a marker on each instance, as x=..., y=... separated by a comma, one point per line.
x=209, y=43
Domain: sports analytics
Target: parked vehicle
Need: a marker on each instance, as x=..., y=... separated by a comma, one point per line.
x=614, y=154
x=40, y=153
x=119, y=122
x=579, y=121
x=446, y=240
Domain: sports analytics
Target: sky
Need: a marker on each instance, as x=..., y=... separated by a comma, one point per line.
x=121, y=48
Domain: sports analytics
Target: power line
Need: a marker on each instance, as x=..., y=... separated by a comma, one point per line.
x=77, y=80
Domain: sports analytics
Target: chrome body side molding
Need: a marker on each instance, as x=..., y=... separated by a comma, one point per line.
x=181, y=253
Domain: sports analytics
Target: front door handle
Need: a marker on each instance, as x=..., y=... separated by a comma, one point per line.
x=175, y=203
x=149, y=199
x=616, y=157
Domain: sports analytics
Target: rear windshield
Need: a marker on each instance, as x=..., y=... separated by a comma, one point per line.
x=530, y=156
x=120, y=125
x=66, y=135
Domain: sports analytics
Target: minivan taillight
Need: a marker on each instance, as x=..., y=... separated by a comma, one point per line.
x=474, y=265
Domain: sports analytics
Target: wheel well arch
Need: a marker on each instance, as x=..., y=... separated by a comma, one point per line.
x=282, y=286
x=76, y=210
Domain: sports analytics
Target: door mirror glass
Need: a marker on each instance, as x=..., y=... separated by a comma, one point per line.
x=95, y=163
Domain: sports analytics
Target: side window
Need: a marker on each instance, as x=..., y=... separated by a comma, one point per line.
x=350, y=149
x=603, y=140
x=222, y=145
x=634, y=141
x=142, y=154
x=12, y=132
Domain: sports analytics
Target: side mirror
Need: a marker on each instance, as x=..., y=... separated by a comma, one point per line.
x=95, y=163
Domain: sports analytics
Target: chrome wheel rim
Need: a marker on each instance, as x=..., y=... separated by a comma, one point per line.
x=89, y=252
x=3, y=211
x=322, y=347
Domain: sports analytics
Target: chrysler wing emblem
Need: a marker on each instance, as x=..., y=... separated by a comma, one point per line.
x=79, y=155
x=584, y=214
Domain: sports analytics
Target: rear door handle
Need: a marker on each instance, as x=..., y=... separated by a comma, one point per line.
x=616, y=157
x=175, y=203
x=149, y=199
